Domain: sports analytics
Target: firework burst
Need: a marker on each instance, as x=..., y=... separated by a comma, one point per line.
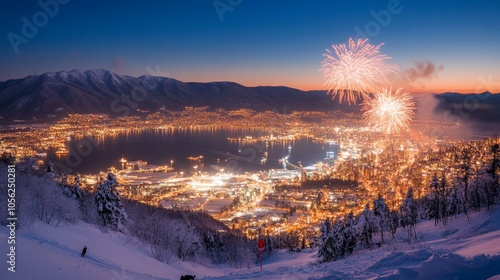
x=356, y=70
x=389, y=112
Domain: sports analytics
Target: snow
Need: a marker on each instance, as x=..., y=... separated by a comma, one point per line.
x=55, y=254
x=462, y=249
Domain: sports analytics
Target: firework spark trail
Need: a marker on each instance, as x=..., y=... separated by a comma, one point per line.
x=355, y=71
x=389, y=112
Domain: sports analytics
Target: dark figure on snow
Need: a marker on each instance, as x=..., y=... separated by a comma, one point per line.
x=84, y=251
x=188, y=277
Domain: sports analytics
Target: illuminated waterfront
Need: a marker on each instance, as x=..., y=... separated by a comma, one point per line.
x=184, y=146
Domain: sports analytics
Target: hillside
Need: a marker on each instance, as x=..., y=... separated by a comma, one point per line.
x=463, y=249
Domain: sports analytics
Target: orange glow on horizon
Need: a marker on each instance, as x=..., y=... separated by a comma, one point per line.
x=314, y=81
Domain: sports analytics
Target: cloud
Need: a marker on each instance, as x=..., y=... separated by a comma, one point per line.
x=423, y=70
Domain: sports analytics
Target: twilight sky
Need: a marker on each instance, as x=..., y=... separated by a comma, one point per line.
x=438, y=45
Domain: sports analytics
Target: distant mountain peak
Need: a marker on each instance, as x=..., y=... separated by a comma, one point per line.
x=106, y=92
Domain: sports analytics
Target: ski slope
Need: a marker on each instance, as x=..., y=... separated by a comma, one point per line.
x=462, y=249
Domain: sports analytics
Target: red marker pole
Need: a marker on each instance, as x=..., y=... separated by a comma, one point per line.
x=260, y=260
x=261, y=245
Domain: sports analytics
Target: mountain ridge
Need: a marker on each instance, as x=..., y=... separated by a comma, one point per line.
x=53, y=95
x=99, y=91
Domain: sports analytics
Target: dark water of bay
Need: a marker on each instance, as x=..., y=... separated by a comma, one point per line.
x=160, y=147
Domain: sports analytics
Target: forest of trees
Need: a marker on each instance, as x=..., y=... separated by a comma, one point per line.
x=469, y=191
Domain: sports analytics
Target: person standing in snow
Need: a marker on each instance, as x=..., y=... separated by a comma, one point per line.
x=84, y=251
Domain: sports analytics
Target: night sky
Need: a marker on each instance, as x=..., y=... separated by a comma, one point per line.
x=450, y=45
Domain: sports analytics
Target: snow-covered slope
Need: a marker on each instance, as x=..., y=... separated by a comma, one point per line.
x=54, y=253
x=462, y=249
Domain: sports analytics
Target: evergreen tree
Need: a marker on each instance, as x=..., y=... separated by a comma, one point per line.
x=326, y=244
x=50, y=172
x=424, y=208
x=351, y=236
x=50, y=167
x=109, y=205
x=409, y=214
x=366, y=226
x=453, y=202
x=269, y=245
x=381, y=214
x=435, y=199
x=393, y=222
x=459, y=188
x=339, y=240
x=465, y=167
x=77, y=192
x=444, y=194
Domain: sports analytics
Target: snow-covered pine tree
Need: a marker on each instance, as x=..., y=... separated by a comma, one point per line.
x=409, y=214
x=393, y=222
x=435, y=199
x=381, y=214
x=339, y=240
x=270, y=244
x=350, y=233
x=495, y=162
x=453, y=202
x=77, y=192
x=459, y=189
x=490, y=184
x=326, y=244
x=444, y=193
x=63, y=183
x=50, y=167
x=214, y=245
x=424, y=208
x=109, y=205
x=209, y=242
x=366, y=226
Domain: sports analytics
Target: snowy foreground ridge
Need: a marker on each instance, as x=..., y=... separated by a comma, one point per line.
x=462, y=249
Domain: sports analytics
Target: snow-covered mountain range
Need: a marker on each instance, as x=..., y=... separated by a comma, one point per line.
x=56, y=94
x=105, y=92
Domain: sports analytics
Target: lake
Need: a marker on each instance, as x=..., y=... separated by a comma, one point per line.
x=160, y=147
